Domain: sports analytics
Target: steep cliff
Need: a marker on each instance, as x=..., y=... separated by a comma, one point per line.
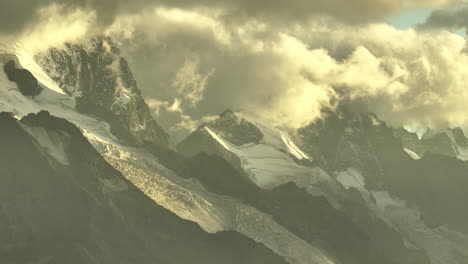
x=100, y=78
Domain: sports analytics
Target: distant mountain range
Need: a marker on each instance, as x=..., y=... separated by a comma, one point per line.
x=88, y=176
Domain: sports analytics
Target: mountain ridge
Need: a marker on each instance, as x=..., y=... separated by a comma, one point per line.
x=357, y=141
x=290, y=192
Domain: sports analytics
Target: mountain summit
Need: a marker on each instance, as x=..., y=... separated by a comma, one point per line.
x=101, y=81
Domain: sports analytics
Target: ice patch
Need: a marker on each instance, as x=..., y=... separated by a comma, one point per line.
x=462, y=153
x=383, y=200
x=52, y=142
x=292, y=148
x=218, y=138
x=351, y=178
x=412, y=154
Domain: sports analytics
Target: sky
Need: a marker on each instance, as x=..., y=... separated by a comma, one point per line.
x=284, y=61
x=408, y=18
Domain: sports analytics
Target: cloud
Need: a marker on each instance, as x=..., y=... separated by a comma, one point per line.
x=16, y=16
x=242, y=67
x=286, y=77
x=200, y=58
x=189, y=83
x=413, y=78
x=450, y=18
x=55, y=26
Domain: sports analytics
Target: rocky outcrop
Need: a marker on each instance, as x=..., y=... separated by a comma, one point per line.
x=104, y=86
x=27, y=83
x=348, y=140
x=450, y=142
x=236, y=130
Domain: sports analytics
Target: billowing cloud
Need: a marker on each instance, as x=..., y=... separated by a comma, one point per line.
x=16, y=16
x=56, y=25
x=189, y=83
x=426, y=73
x=287, y=76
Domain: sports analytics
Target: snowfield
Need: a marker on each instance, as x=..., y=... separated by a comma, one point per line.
x=269, y=163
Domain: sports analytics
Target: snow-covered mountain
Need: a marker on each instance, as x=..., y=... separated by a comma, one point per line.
x=353, y=158
x=346, y=189
x=100, y=79
x=185, y=197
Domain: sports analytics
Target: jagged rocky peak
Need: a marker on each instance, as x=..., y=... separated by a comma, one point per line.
x=459, y=137
x=101, y=80
x=237, y=130
x=230, y=126
x=346, y=138
x=411, y=142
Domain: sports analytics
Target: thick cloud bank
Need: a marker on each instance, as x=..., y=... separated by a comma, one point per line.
x=288, y=76
x=15, y=15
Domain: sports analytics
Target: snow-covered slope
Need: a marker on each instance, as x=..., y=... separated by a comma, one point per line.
x=187, y=198
x=268, y=164
x=190, y=200
x=272, y=161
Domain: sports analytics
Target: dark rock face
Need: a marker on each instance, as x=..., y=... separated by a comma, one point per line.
x=27, y=83
x=347, y=140
x=87, y=212
x=459, y=137
x=363, y=142
x=236, y=130
x=445, y=143
x=104, y=86
x=354, y=236
x=411, y=141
